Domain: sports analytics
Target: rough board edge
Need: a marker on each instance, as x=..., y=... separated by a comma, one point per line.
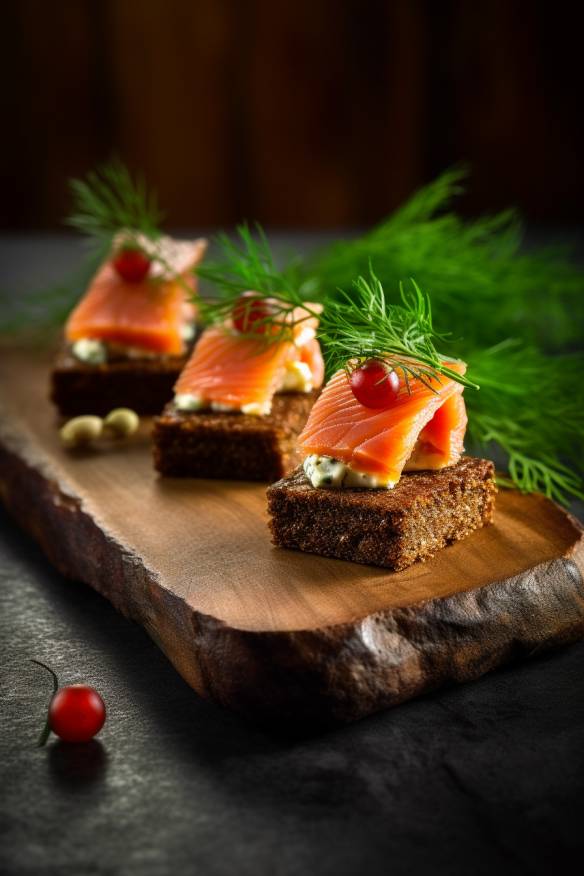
x=313, y=677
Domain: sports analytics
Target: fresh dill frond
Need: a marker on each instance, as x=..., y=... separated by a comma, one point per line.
x=484, y=286
x=115, y=211
x=246, y=264
x=530, y=412
x=109, y=201
x=363, y=324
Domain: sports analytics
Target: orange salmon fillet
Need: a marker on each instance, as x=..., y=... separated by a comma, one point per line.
x=311, y=354
x=236, y=370
x=380, y=442
x=148, y=315
x=441, y=441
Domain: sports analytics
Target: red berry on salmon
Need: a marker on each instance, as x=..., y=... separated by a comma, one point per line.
x=250, y=314
x=374, y=384
x=132, y=265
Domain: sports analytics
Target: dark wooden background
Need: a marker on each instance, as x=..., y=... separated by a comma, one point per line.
x=311, y=113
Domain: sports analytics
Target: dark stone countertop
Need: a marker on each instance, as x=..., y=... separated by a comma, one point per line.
x=483, y=778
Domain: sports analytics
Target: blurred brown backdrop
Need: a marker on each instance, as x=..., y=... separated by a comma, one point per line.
x=311, y=113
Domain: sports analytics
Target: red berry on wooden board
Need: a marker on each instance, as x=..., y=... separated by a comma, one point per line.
x=249, y=313
x=374, y=384
x=131, y=264
x=76, y=712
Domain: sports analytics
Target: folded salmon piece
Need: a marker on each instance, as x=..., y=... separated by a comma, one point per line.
x=441, y=441
x=421, y=429
x=238, y=371
x=148, y=315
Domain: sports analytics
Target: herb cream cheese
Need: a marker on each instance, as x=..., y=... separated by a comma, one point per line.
x=325, y=471
x=90, y=351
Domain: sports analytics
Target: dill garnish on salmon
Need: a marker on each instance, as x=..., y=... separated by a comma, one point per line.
x=247, y=389
x=129, y=334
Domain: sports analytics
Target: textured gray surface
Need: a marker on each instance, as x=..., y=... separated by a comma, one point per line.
x=484, y=778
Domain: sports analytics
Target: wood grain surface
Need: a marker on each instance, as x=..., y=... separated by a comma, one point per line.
x=298, y=114
x=280, y=635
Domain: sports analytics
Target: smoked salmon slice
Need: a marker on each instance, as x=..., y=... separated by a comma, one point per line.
x=424, y=426
x=236, y=370
x=311, y=354
x=441, y=441
x=149, y=315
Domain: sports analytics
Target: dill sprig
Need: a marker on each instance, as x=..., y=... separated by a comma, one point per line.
x=116, y=211
x=109, y=201
x=530, y=412
x=363, y=324
x=484, y=286
x=246, y=264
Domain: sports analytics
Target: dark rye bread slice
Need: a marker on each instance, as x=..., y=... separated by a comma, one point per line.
x=143, y=384
x=208, y=444
x=391, y=528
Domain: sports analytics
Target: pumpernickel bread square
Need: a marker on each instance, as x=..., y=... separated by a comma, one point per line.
x=143, y=384
x=233, y=446
x=393, y=528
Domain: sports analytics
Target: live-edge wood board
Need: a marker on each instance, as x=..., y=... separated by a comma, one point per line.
x=280, y=636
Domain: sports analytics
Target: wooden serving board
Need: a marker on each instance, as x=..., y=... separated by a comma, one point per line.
x=279, y=635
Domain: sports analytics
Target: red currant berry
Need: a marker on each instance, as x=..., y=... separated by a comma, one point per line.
x=76, y=713
x=250, y=312
x=132, y=265
x=374, y=385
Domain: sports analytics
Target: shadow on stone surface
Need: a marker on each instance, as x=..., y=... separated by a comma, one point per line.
x=77, y=765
